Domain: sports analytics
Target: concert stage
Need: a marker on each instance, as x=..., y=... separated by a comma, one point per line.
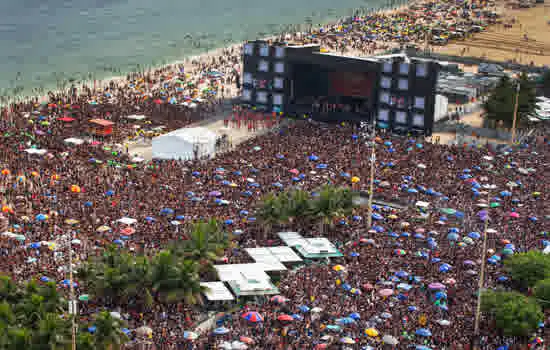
x=301, y=80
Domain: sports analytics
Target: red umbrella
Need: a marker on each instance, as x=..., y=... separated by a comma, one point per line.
x=158, y=101
x=128, y=231
x=320, y=346
x=285, y=317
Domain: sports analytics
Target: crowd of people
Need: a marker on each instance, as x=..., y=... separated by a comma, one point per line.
x=81, y=192
x=409, y=280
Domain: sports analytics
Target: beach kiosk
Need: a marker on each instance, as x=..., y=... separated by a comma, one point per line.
x=101, y=127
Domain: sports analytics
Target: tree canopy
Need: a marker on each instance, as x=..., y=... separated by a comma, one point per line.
x=526, y=269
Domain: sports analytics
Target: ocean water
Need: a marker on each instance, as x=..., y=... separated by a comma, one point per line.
x=43, y=43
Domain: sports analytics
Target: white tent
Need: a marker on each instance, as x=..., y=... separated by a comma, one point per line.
x=182, y=144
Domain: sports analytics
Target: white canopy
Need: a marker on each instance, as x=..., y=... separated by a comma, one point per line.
x=136, y=117
x=184, y=143
x=127, y=221
x=216, y=291
x=74, y=141
x=40, y=152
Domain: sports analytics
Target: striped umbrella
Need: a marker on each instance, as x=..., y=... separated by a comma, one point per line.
x=252, y=316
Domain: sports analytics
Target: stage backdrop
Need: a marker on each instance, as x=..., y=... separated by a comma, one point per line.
x=351, y=84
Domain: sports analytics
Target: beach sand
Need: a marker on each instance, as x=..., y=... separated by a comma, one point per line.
x=507, y=44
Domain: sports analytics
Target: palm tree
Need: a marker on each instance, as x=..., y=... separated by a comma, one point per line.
x=108, y=334
x=272, y=211
x=53, y=333
x=299, y=206
x=52, y=300
x=331, y=203
x=8, y=290
x=85, y=341
x=18, y=338
x=190, y=281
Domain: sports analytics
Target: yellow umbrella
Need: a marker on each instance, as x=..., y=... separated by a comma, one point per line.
x=338, y=268
x=371, y=332
x=355, y=179
x=71, y=222
x=103, y=228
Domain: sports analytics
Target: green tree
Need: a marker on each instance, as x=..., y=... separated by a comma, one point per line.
x=527, y=98
x=526, y=269
x=108, y=334
x=514, y=313
x=271, y=211
x=500, y=104
x=8, y=290
x=546, y=83
x=299, y=206
x=85, y=341
x=331, y=203
x=206, y=242
x=53, y=333
x=542, y=293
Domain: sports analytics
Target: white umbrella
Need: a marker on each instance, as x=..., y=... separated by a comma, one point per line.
x=316, y=310
x=144, y=331
x=390, y=340
x=444, y=322
x=115, y=314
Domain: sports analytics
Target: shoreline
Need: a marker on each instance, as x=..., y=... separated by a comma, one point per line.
x=202, y=57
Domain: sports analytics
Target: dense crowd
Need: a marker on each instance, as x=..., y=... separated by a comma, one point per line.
x=409, y=280
x=404, y=252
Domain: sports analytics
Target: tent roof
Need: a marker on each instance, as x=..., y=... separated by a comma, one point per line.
x=102, y=122
x=216, y=291
x=242, y=272
x=192, y=135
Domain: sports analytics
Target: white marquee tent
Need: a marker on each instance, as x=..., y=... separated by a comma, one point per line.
x=181, y=144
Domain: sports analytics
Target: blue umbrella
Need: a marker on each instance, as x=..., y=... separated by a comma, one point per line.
x=313, y=158
x=412, y=308
x=321, y=166
x=279, y=156
x=297, y=317
x=355, y=316
x=88, y=204
x=405, y=235
x=40, y=217
x=345, y=320
x=109, y=193
x=378, y=229
x=412, y=190
x=419, y=236
x=44, y=279
x=423, y=332
x=180, y=217
x=243, y=213
x=92, y=329
x=356, y=218
x=195, y=173
x=246, y=193
x=167, y=211
x=34, y=245
x=118, y=241
x=445, y=267
x=346, y=286
x=474, y=235
x=402, y=274
x=149, y=218
x=221, y=331
x=303, y=308
x=354, y=254
x=376, y=216
x=228, y=222
x=278, y=185
x=196, y=199
x=343, y=174
x=422, y=347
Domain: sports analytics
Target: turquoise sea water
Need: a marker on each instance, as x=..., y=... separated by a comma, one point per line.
x=45, y=42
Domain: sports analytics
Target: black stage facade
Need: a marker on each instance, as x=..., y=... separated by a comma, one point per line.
x=301, y=80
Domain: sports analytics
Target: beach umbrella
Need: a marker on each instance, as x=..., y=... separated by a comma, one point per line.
x=423, y=332
x=321, y=166
x=385, y=292
x=247, y=340
x=436, y=286
x=443, y=322
x=188, y=335
x=278, y=299
x=338, y=268
x=390, y=340
x=474, y=235
x=371, y=332
x=252, y=316
x=347, y=340
x=385, y=315
x=303, y=308
x=285, y=318
x=221, y=331
x=41, y=217
x=345, y=320
x=297, y=317
x=167, y=211
x=355, y=316
x=313, y=158
x=445, y=267
x=316, y=310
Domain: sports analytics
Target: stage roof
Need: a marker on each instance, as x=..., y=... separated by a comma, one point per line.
x=273, y=254
x=217, y=291
x=310, y=248
x=242, y=272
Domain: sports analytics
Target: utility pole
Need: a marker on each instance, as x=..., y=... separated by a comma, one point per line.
x=482, y=270
x=372, y=167
x=72, y=303
x=518, y=87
